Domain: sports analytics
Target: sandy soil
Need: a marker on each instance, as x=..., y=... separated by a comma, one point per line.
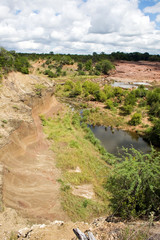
x=137, y=71
x=30, y=173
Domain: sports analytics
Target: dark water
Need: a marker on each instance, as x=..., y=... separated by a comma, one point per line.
x=114, y=139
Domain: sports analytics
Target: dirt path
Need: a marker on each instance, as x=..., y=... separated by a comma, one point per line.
x=30, y=175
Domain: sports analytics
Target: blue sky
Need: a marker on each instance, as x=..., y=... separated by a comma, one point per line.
x=80, y=26
x=148, y=3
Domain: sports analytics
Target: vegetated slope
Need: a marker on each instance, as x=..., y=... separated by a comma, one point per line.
x=29, y=176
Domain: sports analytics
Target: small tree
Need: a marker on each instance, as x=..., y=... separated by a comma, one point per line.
x=127, y=109
x=134, y=184
x=153, y=134
x=106, y=66
x=109, y=104
x=136, y=119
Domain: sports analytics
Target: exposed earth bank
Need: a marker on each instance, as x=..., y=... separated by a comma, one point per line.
x=30, y=191
x=141, y=71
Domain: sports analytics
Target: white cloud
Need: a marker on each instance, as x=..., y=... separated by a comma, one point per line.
x=158, y=18
x=75, y=26
x=153, y=9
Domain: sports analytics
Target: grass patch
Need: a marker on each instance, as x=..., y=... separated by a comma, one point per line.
x=74, y=150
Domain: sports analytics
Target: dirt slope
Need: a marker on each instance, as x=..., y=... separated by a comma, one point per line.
x=29, y=181
x=29, y=172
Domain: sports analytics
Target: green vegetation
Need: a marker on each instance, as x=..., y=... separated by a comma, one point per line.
x=39, y=88
x=153, y=101
x=134, y=184
x=95, y=57
x=136, y=119
x=4, y=121
x=142, y=105
x=75, y=146
x=153, y=133
x=130, y=181
x=12, y=61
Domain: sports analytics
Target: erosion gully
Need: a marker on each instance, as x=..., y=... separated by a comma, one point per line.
x=29, y=171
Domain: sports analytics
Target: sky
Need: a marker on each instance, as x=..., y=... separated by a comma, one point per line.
x=80, y=26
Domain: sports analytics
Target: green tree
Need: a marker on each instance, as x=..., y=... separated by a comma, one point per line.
x=153, y=134
x=134, y=184
x=127, y=109
x=88, y=65
x=106, y=66
x=136, y=119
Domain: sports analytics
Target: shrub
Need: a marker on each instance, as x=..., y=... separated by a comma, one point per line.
x=81, y=72
x=97, y=73
x=109, y=91
x=153, y=134
x=100, y=96
x=77, y=90
x=136, y=119
x=134, y=184
x=127, y=109
x=118, y=91
x=109, y=104
x=141, y=91
x=106, y=66
x=130, y=99
x=98, y=67
x=24, y=70
x=50, y=73
x=80, y=66
x=68, y=86
x=91, y=88
x=88, y=65
x=154, y=109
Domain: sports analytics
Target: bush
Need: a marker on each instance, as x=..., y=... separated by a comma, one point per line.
x=50, y=73
x=127, y=109
x=136, y=119
x=24, y=70
x=109, y=91
x=130, y=98
x=77, y=90
x=97, y=73
x=82, y=73
x=118, y=91
x=88, y=65
x=153, y=134
x=141, y=91
x=100, y=96
x=68, y=86
x=106, y=66
x=154, y=109
x=80, y=66
x=109, y=104
x=91, y=88
x=134, y=184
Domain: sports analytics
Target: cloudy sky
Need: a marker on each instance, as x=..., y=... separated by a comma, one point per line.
x=80, y=26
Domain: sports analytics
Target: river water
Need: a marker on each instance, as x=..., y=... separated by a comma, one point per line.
x=114, y=139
